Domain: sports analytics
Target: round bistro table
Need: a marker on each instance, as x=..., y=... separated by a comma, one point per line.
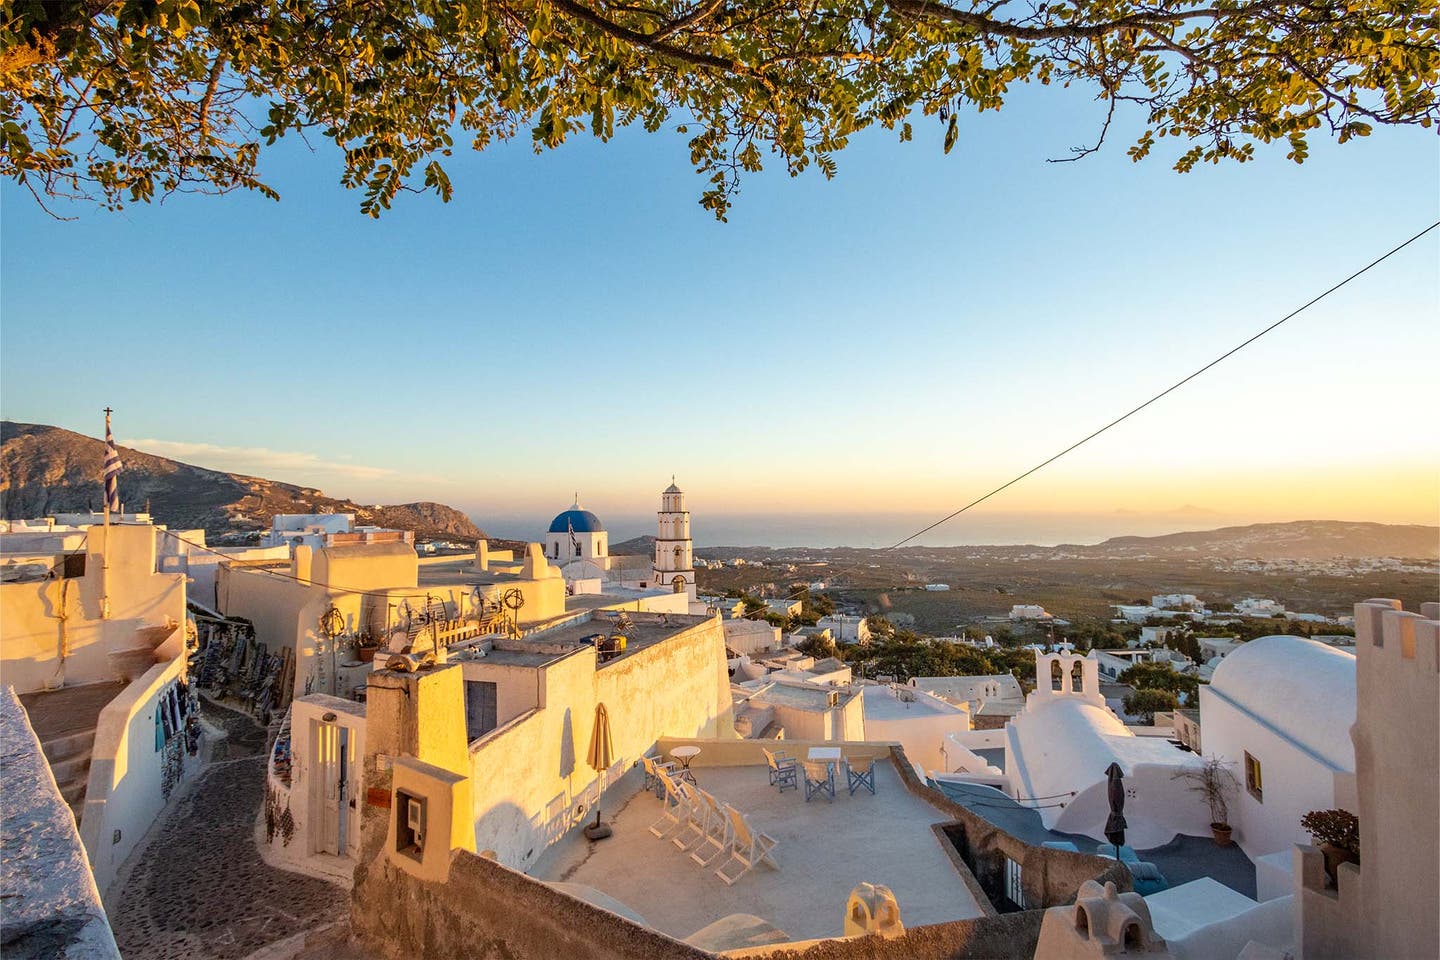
x=685, y=755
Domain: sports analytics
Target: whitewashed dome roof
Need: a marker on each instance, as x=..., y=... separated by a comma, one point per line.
x=1302, y=688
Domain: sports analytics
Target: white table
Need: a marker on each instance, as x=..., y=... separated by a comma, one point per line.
x=685, y=755
x=823, y=753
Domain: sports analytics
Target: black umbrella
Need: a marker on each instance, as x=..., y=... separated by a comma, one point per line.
x=1115, y=823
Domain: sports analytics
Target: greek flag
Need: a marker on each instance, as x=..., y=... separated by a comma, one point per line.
x=574, y=540
x=112, y=470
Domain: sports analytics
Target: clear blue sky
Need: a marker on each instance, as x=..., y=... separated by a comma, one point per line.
x=901, y=338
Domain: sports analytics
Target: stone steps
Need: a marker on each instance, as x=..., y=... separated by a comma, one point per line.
x=64, y=721
x=69, y=755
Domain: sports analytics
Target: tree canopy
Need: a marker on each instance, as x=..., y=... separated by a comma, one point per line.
x=1147, y=702
x=1159, y=676
x=124, y=100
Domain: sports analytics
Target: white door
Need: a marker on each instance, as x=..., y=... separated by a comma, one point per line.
x=326, y=783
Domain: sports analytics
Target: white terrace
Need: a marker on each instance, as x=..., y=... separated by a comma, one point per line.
x=825, y=849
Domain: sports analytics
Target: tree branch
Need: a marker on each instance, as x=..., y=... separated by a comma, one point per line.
x=665, y=50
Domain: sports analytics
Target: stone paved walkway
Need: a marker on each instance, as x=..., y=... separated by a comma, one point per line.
x=198, y=888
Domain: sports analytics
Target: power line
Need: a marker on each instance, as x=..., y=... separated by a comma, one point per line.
x=1118, y=420
x=1170, y=389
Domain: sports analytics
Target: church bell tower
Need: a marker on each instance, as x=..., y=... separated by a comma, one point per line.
x=674, y=552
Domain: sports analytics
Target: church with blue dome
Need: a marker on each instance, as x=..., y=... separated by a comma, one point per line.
x=576, y=534
x=578, y=544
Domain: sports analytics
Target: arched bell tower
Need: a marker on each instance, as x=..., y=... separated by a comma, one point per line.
x=674, y=552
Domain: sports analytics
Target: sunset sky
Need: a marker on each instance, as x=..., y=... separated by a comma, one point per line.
x=897, y=341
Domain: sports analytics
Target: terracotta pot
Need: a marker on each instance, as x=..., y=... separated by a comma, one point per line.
x=1334, y=856
x=1222, y=833
x=366, y=654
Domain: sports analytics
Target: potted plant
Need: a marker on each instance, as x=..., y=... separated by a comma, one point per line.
x=365, y=647
x=1337, y=833
x=1216, y=783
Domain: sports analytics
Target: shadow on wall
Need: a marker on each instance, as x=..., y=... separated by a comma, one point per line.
x=567, y=746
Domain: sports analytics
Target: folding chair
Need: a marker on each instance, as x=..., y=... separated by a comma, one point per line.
x=819, y=778
x=653, y=767
x=697, y=818
x=673, y=812
x=860, y=773
x=750, y=847
x=782, y=770
x=717, y=834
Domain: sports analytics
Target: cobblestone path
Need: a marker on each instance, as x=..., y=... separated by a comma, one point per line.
x=199, y=888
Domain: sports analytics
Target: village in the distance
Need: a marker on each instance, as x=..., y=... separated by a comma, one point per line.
x=719, y=480
x=335, y=738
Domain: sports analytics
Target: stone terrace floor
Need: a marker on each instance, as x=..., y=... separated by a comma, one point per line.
x=1181, y=860
x=825, y=849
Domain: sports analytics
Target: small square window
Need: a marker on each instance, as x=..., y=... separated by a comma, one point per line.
x=1253, y=781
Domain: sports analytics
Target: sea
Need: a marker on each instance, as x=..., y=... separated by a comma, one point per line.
x=879, y=530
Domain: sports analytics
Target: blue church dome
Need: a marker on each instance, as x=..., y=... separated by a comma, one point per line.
x=581, y=521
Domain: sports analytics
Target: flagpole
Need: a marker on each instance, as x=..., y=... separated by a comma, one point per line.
x=105, y=557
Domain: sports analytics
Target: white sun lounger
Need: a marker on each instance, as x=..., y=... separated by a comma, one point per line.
x=748, y=848
x=673, y=812
x=717, y=835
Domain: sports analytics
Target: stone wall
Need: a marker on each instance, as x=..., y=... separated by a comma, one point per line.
x=1009, y=937
x=485, y=909
x=52, y=907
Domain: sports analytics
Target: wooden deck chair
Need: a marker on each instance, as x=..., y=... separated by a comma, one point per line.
x=782, y=770
x=749, y=848
x=860, y=772
x=718, y=834
x=673, y=811
x=819, y=778
x=653, y=766
x=697, y=819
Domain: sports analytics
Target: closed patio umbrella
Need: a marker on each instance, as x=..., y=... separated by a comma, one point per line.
x=1115, y=791
x=600, y=757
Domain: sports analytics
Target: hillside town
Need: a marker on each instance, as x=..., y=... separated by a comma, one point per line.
x=330, y=743
x=719, y=480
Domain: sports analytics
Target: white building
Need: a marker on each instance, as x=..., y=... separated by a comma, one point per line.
x=93, y=640
x=1280, y=710
x=1255, y=607
x=782, y=606
x=991, y=700
x=1134, y=613
x=845, y=628
x=1155, y=635
x=744, y=637
x=1028, y=611
x=325, y=529
x=1213, y=649
x=1064, y=740
x=1115, y=662
x=919, y=721
x=937, y=587
x=1177, y=601
x=577, y=534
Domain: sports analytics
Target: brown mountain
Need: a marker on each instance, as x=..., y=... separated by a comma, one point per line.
x=46, y=470
x=1299, y=540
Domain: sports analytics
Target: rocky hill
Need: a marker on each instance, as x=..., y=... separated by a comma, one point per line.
x=46, y=470
x=635, y=546
x=1300, y=540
